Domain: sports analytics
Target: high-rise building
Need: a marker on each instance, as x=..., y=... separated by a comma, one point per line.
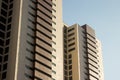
x=36, y=45
x=31, y=43
x=82, y=54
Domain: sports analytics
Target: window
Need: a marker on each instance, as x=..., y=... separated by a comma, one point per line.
x=9, y=27
x=70, y=29
x=5, y=1
x=2, y=19
x=4, y=13
x=5, y=66
x=71, y=49
x=9, y=19
x=10, y=13
x=0, y=59
x=2, y=35
x=70, y=78
x=53, y=64
x=7, y=42
x=8, y=34
x=70, y=67
x=1, y=50
x=4, y=75
x=71, y=39
x=4, y=6
x=65, y=72
x=70, y=34
x=1, y=42
x=11, y=0
x=53, y=71
x=6, y=49
x=6, y=58
x=2, y=27
x=70, y=61
x=0, y=68
x=71, y=44
x=70, y=73
x=65, y=61
x=65, y=67
x=11, y=6
x=65, y=56
x=65, y=78
x=70, y=56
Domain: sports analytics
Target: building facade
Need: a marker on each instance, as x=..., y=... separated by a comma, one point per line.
x=82, y=54
x=29, y=42
x=36, y=45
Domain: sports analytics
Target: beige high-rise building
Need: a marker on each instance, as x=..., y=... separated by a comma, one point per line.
x=82, y=54
x=30, y=34
x=35, y=44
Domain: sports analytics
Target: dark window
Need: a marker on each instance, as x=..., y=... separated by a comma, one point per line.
x=71, y=49
x=65, y=73
x=5, y=66
x=10, y=19
x=4, y=6
x=8, y=34
x=70, y=56
x=71, y=44
x=6, y=58
x=65, y=78
x=7, y=42
x=70, y=78
x=1, y=50
x=2, y=27
x=10, y=13
x=2, y=19
x=70, y=67
x=4, y=13
x=11, y=6
x=11, y=0
x=2, y=35
x=65, y=61
x=4, y=75
x=9, y=27
x=65, y=56
x=71, y=39
x=70, y=61
x=6, y=49
x=70, y=73
x=5, y=1
x=70, y=29
x=71, y=34
x=1, y=42
x=0, y=68
x=0, y=59
x=65, y=67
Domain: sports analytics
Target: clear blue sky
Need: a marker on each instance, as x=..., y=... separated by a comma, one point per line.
x=104, y=17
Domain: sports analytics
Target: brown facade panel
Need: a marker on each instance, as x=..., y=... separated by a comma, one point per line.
x=44, y=17
x=44, y=23
x=49, y=1
x=91, y=38
x=45, y=69
x=43, y=52
x=92, y=48
x=90, y=31
x=43, y=60
x=45, y=4
x=44, y=10
x=43, y=37
x=43, y=30
x=39, y=42
x=92, y=53
x=41, y=76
